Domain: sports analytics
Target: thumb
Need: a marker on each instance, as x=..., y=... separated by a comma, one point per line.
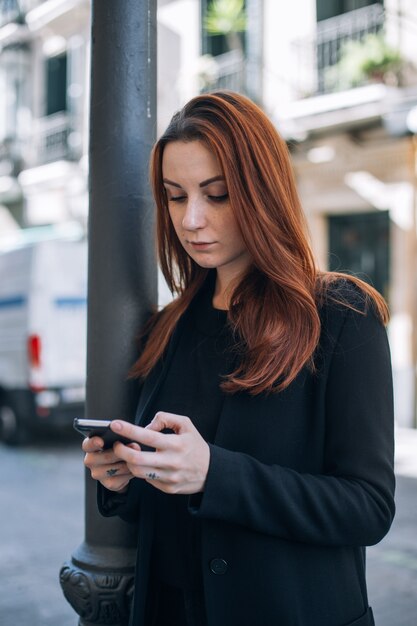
x=177, y=423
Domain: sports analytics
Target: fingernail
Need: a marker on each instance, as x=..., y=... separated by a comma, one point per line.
x=116, y=425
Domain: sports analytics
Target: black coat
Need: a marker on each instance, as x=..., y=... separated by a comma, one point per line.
x=298, y=483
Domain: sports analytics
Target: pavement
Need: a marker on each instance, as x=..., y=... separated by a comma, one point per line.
x=41, y=523
x=392, y=564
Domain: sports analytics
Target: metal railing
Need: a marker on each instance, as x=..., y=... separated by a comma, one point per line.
x=9, y=11
x=318, y=56
x=15, y=10
x=50, y=139
x=225, y=71
x=314, y=69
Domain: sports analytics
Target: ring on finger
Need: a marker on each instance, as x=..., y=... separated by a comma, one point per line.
x=112, y=472
x=152, y=476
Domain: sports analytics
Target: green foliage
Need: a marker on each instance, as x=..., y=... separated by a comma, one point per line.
x=225, y=16
x=370, y=58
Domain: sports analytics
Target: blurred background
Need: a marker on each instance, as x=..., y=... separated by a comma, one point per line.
x=339, y=80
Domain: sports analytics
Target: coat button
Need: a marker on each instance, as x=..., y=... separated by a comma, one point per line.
x=218, y=566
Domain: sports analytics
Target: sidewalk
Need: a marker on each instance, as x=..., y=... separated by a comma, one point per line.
x=392, y=564
x=43, y=524
x=406, y=453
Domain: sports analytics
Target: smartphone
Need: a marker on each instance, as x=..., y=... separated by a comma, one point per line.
x=99, y=428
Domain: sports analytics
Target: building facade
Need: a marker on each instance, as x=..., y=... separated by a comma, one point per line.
x=337, y=77
x=43, y=118
x=353, y=148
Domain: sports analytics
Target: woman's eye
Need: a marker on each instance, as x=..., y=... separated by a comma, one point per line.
x=221, y=198
x=177, y=198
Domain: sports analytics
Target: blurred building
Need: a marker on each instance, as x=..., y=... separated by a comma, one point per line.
x=341, y=96
x=338, y=78
x=43, y=109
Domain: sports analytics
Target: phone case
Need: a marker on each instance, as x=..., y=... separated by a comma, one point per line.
x=103, y=431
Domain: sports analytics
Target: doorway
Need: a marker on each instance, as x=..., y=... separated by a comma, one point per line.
x=359, y=244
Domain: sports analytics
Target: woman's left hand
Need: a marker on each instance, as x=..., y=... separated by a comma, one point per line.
x=180, y=461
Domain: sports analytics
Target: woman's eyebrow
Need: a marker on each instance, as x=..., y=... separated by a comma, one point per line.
x=211, y=180
x=171, y=182
x=204, y=183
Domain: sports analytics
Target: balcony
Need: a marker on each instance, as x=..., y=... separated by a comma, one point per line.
x=224, y=71
x=15, y=10
x=313, y=65
x=317, y=58
x=53, y=139
x=9, y=12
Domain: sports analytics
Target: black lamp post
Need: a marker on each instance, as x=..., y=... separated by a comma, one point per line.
x=98, y=581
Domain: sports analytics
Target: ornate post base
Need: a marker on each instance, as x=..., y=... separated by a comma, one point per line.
x=100, y=596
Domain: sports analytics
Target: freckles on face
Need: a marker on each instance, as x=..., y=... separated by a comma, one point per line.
x=199, y=207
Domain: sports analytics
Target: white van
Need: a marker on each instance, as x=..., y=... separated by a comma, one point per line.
x=43, y=312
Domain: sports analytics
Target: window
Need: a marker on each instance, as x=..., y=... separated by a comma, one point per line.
x=219, y=44
x=331, y=8
x=56, y=84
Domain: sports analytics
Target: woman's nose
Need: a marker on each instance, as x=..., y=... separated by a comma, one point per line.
x=194, y=216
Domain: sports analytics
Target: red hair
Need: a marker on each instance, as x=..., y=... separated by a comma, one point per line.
x=274, y=309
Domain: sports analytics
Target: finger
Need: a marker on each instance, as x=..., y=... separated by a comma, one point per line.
x=93, y=444
x=104, y=472
x=166, y=482
x=141, y=435
x=134, y=446
x=159, y=478
x=140, y=459
x=117, y=470
x=98, y=459
x=178, y=423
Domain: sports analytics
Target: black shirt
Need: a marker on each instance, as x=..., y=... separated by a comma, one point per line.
x=192, y=388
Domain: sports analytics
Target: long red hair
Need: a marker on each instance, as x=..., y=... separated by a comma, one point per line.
x=274, y=309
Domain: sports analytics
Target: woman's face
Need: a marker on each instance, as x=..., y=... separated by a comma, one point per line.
x=200, y=210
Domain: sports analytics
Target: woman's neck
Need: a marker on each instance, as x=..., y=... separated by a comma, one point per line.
x=223, y=290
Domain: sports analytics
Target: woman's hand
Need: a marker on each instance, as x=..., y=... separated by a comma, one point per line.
x=106, y=466
x=180, y=461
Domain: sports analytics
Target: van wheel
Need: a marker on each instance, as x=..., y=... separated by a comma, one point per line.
x=12, y=430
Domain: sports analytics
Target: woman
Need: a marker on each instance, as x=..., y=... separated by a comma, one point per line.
x=264, y=454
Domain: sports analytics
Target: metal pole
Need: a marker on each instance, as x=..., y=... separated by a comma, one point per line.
x=98, y=581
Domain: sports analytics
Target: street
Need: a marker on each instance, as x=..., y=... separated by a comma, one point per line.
x=392, y=564
x=41, y=495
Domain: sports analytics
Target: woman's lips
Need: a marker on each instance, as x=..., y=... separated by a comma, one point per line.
x=201, y=245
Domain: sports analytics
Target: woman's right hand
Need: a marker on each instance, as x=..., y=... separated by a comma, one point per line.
x=105, y=466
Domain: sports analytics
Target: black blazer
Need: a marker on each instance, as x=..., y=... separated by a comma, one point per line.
x=298, y=483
